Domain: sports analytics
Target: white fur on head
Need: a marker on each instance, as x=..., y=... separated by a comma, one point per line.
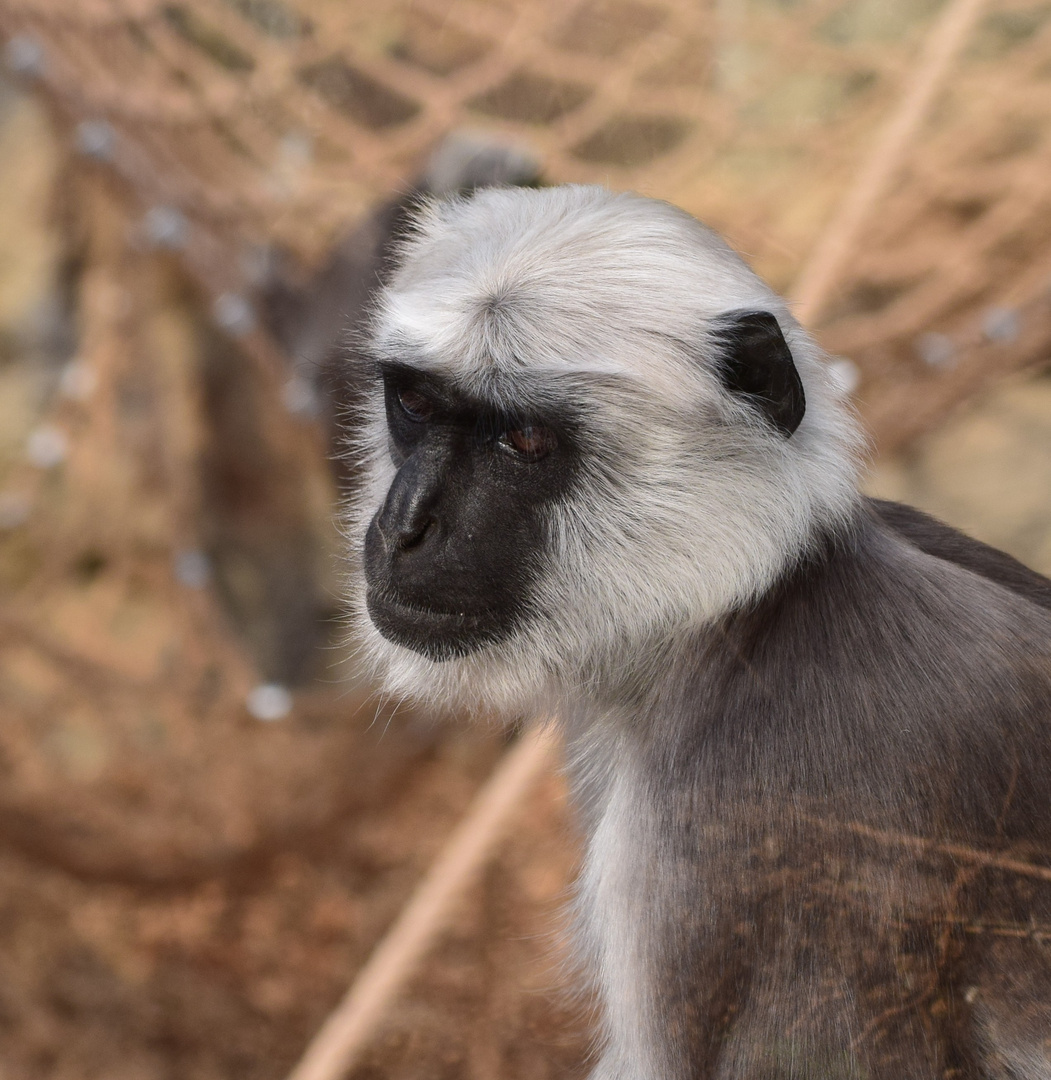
x=688, y=503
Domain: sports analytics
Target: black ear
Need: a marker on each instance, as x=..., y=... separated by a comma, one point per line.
x=755, y=361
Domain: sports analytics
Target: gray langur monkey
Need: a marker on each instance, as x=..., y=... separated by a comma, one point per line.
x=609, y=477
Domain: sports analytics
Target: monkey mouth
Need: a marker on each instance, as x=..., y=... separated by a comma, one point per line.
x=432, y=632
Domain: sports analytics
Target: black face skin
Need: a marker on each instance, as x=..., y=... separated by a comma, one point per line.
x=451, y=556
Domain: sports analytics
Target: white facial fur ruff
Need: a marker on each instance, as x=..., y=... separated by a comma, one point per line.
x=688, y=503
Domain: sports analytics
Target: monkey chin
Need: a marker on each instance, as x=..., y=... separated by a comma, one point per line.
x=425, y=657
x=439, y=636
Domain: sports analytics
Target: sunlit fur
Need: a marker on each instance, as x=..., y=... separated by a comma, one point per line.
x=689, y=504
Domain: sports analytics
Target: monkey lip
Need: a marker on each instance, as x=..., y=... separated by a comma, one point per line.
x=437, y=634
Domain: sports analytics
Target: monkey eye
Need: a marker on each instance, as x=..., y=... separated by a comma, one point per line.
x=415, y=406
x=531, y=442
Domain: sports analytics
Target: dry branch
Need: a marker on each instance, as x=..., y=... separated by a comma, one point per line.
x=827, y=259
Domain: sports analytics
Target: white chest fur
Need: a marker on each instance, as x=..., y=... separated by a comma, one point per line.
x=620, y=906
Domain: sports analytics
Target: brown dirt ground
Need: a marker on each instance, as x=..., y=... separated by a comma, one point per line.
x=229, y=974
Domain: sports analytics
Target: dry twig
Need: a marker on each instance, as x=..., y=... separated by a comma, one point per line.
x=826, y=262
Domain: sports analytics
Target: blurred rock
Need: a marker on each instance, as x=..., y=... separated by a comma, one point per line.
x=269, y=702
x=47, y=446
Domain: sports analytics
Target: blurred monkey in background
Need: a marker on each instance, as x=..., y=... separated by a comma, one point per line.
x=318, y=317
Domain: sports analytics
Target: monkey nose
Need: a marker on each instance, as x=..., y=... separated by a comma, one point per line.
x=403, y=532
x=411, y=534
x=408, y=513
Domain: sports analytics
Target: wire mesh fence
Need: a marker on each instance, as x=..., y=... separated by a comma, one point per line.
x=187, y=882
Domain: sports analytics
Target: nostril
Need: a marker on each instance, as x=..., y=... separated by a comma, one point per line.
x=412, y=536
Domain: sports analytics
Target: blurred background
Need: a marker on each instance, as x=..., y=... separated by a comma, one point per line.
x=206, y=821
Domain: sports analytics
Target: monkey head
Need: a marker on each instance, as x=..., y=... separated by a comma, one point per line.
x=592, y=427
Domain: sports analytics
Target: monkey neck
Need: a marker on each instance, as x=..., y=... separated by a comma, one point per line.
x=836, y=690
x=634, y=680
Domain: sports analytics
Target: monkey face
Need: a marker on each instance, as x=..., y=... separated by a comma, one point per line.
x=590, y=435
x=453, y=552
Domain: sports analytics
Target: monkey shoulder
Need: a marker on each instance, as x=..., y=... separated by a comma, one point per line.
x=877, y=669
x=944, y=542
x=898, y=596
